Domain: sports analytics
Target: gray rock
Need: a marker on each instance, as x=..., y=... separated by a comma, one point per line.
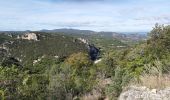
x=144, y=93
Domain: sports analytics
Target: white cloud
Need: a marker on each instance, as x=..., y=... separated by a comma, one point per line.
x=101, y=16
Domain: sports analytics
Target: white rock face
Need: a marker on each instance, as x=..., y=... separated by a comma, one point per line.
x=30, y=36
x=83, y=40
x=144, y=93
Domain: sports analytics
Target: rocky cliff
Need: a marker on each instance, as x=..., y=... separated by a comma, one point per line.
x=29, y=36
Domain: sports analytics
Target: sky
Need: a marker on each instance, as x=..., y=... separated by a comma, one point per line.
x=96, y=15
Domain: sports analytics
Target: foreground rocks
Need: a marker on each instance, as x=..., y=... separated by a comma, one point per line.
x=144, y=93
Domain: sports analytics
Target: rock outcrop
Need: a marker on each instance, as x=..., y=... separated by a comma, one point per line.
x=144, y=93
x=83, y=40
x=29, y=36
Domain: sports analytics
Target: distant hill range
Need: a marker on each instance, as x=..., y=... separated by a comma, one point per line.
x=136, y=36
x=103, y=40
x=118, y=35
x=28, y=47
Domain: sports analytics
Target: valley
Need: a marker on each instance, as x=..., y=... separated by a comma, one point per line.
x=90, y=55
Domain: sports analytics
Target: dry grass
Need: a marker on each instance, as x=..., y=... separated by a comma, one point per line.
x=154, y=82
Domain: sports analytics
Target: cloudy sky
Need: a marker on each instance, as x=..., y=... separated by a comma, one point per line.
x=97, y=15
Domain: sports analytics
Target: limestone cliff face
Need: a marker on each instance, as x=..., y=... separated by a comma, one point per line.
x=30, y=36
x=83, y=40
x=144, y=93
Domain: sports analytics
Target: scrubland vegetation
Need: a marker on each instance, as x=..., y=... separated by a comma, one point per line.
x=77, y=77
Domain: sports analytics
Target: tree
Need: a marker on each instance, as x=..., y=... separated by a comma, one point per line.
x=74, y=77
x=158, y=43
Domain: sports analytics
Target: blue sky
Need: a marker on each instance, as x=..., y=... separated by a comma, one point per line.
x=97, y=15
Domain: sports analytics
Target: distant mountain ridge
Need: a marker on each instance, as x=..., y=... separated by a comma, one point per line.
x=118, y=35
x=101, y=39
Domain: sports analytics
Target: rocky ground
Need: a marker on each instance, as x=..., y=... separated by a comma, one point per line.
x=144, y=93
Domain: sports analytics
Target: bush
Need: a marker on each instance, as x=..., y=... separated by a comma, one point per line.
x=121, y=78
x=72, y=78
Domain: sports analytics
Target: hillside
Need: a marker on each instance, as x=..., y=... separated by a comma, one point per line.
x=103, y=40
x=47, y=45
x=59, y=66
x=109, y=40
